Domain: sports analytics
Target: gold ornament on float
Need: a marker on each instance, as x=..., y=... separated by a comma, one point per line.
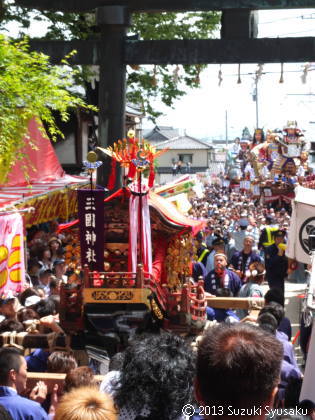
x=180, y=253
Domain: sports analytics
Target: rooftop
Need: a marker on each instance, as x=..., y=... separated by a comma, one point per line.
x=184, y=142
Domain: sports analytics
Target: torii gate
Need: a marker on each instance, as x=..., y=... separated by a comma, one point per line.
x=113, y=50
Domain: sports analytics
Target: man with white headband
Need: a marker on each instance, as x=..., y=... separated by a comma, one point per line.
x=221, y=277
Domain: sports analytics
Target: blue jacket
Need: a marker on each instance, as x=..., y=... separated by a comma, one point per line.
x=19, y=407
x=37, y=361
x=212, y=282
x=253, y=257
x=276, y=266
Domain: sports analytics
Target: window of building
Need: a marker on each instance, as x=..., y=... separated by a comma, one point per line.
x=185, y=158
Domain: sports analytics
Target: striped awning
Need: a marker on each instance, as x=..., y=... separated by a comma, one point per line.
x=50, y=200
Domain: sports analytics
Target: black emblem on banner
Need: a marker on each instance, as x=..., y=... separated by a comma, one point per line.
x=307, y=228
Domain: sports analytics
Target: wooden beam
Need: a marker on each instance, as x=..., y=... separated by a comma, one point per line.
x=212, y=51
x=221, y=51
x=165, y=5
x=235, y=303
x=87, y=50
x=51, y=379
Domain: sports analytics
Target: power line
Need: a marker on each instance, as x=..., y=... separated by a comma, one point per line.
x=265, y=72
x=288, y=18
x=294, y=33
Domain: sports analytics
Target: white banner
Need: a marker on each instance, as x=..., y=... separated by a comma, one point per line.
x=12, y=267
x=308, y=386
x=302, y=225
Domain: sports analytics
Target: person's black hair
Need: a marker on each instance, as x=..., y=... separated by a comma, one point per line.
x=43, y=273
x=34, y=262
x=11, y=325
x=45, y=307
x=292, y=392
x=274, y=295
x=27, y=293
x=25, y=314
x=4, y=414
x=42, y=250
x=53, y=284
x=30, y=233
x=61, y=362
x=237, y=365
x=306, y=405
x=275, y=309
x=56, y=301
x=157, y=372
x=267, y=322
x=254, y=141
x=10, y=358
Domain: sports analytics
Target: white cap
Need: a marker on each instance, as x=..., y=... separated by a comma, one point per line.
x=31, y=300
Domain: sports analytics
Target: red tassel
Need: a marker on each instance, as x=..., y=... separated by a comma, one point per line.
x=132, y=171
x=151, y=176
x=112, y=178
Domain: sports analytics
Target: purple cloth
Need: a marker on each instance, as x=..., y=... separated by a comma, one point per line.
x=285, y=327
x=287, y=371
x=220, y=314
x=288, y=350
x=280, y=335
x=198, y=270
x=253, y=257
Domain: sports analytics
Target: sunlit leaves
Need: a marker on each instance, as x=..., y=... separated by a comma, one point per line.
x=30, y=87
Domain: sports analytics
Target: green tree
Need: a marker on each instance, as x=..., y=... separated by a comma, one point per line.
x=30, y=87
x=144, y=82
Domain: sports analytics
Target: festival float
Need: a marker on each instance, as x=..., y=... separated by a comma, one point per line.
x=270, y=168
x=135, y=251
x=280, y=163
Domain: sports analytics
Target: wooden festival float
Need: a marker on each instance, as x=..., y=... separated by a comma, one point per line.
x=131, y=258
x=136, y=272
x=272, y=166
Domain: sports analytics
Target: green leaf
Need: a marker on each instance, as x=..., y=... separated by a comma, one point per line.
x=30, y=87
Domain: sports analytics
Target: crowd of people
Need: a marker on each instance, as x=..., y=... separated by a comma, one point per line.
x=235, y=370
x=246, y=231
x=241, y=362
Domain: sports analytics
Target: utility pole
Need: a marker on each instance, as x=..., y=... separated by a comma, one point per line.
x=226, y=130
x=256, y=96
